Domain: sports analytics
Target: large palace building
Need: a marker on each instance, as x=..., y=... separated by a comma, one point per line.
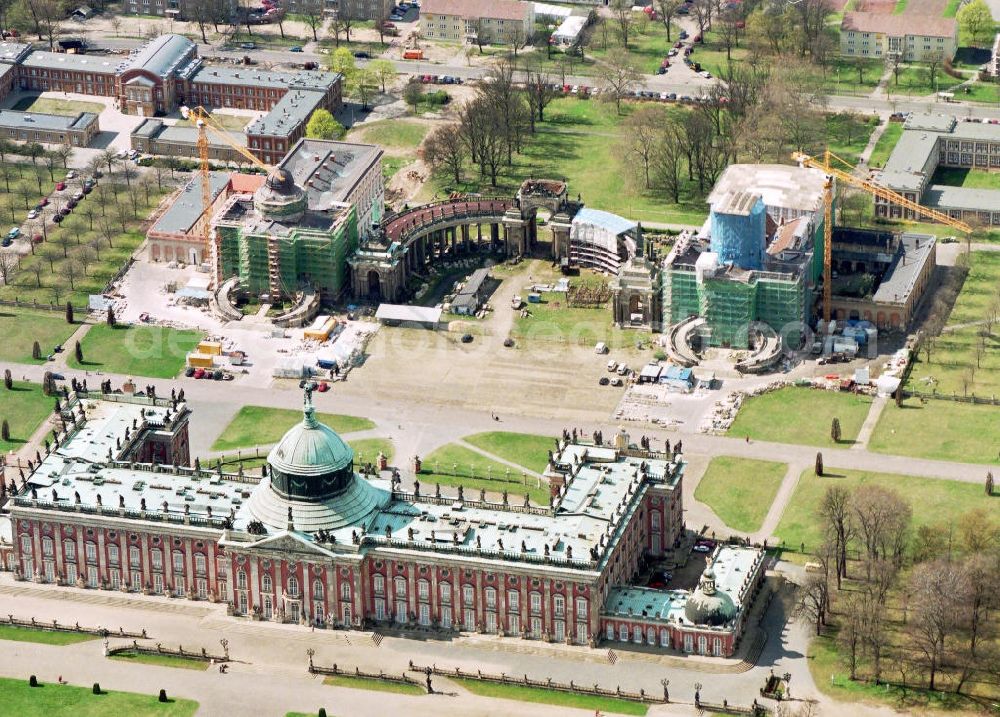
x=113, y=505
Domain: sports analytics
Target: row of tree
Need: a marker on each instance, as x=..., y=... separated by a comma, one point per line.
x=908, y=605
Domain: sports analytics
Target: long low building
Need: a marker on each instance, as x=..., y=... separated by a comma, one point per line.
x=930, y=141
x=500, y=22
x=74, y=130
x=154, y=136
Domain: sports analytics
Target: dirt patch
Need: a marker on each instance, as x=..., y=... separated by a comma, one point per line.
x=407, y=183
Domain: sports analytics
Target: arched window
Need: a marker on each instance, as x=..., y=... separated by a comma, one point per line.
x=266, y=585
x=318, y=589
x=293, y=585
x=345, y=591
x=664, y=637
x=610, y=631
x=241, y=579
x=623, y=633
x=650, y=636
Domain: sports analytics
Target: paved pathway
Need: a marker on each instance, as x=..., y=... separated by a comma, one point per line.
x=781, y=498
x=871, y=420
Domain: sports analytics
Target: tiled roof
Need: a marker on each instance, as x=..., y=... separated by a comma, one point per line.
x=471, y=9
x=900, y=25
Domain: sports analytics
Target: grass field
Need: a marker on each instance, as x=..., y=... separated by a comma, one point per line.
x=916, y=80
x=150, y=351
x=233, y=123
x=711, y=54
x=647, y=45
x=524, y=449
x=392, y=134
x=55, y=700
x=367, y=449
x=552, y=320
x=843, y=77
x=476, y=472
x=801, y=415
x=933, y=501
x=847, y=134
x=57, y=106
x=953, y=355
x=944, y=430
x=21, y=328
x=581, y=139
x=551, y=697
x=24, y=408
x=261, y=426
x=970, y=178
x=23, y=186
x=362, y=683
x=886, y=143
x=740, y=490
x=42, y=637
x=183, y=663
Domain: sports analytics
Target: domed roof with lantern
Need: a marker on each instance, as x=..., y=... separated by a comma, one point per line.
x=707, y=605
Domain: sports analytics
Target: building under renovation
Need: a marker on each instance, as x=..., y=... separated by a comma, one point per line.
x=757, y=260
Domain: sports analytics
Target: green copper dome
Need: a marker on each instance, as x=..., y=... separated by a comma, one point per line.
x=311, y=461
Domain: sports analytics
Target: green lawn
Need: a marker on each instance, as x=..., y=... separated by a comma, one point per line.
x=916, y=80
x=945, y=430
x=21, y=328
x=55, y=700
x=183, y=663
x=392, y=134
x=367, y=449
x=551, y=697
x=740, y=490
x=970, y=178
x=477, y=472
x=262, y=425
x=147, y=351
x=24, y=408
x=886, y=143
x=954, y=351
x=847, y=134
x=853, y=76
x=933, y=501
x=711, y=54
x=525, y=449
x=647, y=45
x=581, y=140
x=985, y=92
x=57, y=106
x=363, y=683
x=392, y=165
x=801, y=415
x=42, y=637
x=232, y=123
x=552, y=320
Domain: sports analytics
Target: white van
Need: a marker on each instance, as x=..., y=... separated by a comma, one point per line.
x=601, y=348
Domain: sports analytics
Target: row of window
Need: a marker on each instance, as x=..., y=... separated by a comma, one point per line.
x=92, y=578
x=649, y=637
x=291, y=586
x=469, y=596
x=114, y=555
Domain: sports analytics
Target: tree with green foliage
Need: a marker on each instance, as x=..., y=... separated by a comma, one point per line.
x=819, y=463
x=384, y=72
x=78, y=352
x=323, y=125
x=69, y=312
x=342, y=61
x=412, y=94
x=976, y=21
x=835, y=430
x=49, y=387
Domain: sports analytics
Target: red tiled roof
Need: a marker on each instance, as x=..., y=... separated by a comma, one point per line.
x=900, y=25
x=473, y=9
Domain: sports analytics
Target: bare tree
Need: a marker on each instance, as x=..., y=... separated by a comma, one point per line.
x=668, y=159
x=701, y=11
x=641, y=136
x=445, y=149
x=70, y=270
x=812, y=599
x=883, y=522
x=835, y=511
x=939, y=593
x=538, y=90
x=9, y=265
x=624, y=17
x=619, y=75
x=667, y=10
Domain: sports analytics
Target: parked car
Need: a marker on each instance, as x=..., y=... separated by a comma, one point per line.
x=71, y=174
x=295, y=49
x=466, y=338
x=701, y=548
x=323, y=387
x=616, y=381
x=57, y=218
x=683, y=35
x=604, y=381
x=63, y=211
x=14, y=233
x=189, y=371
x=396, y=17
x=87, y=189
x=71, y=204
x=6, y=242
x=78, y=195
x=362, y=55
x=199, y=373
x=33, y=214
x=43, y=202
x=248, y=45
x=60, y=186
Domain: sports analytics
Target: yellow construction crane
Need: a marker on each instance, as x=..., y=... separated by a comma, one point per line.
x=205, y=124
x=876, y=190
